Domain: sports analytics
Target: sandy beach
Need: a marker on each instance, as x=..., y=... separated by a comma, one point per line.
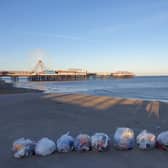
x=37, y=115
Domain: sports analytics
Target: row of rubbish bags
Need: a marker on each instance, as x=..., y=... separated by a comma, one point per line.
x=123, y=139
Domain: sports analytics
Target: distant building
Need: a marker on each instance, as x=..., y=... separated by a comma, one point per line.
x=122, y=74
x=71, y=72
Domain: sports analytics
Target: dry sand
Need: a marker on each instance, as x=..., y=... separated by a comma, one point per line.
x=37, y=115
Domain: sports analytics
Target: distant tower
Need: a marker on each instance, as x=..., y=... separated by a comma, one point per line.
x=39, y=67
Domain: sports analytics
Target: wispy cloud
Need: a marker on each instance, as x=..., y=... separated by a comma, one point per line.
x=152, y=20
x=52, y=35
x=156, y=19
x=115, y=28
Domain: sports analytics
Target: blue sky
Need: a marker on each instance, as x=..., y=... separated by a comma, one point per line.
x=97, y=35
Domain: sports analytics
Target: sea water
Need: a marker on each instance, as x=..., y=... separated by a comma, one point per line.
x=147, y=88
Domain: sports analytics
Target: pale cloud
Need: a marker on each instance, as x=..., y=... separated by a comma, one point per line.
x=155, y=19
x=53, y=35
x=115, y=28
x=159, y=18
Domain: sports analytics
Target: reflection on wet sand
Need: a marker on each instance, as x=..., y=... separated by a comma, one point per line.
x=153, y=108
x=104, y=102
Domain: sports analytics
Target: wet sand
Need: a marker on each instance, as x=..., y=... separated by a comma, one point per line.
x=8, y=88
x=36, y=115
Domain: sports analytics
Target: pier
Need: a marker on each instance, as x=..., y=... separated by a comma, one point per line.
x=40, y=73
x=57, y=76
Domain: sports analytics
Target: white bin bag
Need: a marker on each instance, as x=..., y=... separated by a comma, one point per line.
x=45, y=147
x=100, y=142
x=82, y=142
x=65, y=143
x=124, y=139
x=23, y=148
x=146, y=140
x=162, y=140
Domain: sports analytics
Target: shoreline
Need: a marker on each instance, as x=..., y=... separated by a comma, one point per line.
x=15, y=90
x=8, y=88
x=102, y=88
x=20, y=90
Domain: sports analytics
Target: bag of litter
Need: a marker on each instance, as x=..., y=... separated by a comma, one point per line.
x=45, y=147
x=100, y=142
x=65, y=143
x=146, y=140
x=82, y=142
x=162, y=140
x=124, y=138
x=23, y=148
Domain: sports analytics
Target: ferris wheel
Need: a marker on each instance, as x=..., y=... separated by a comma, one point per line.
x=39, y=67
